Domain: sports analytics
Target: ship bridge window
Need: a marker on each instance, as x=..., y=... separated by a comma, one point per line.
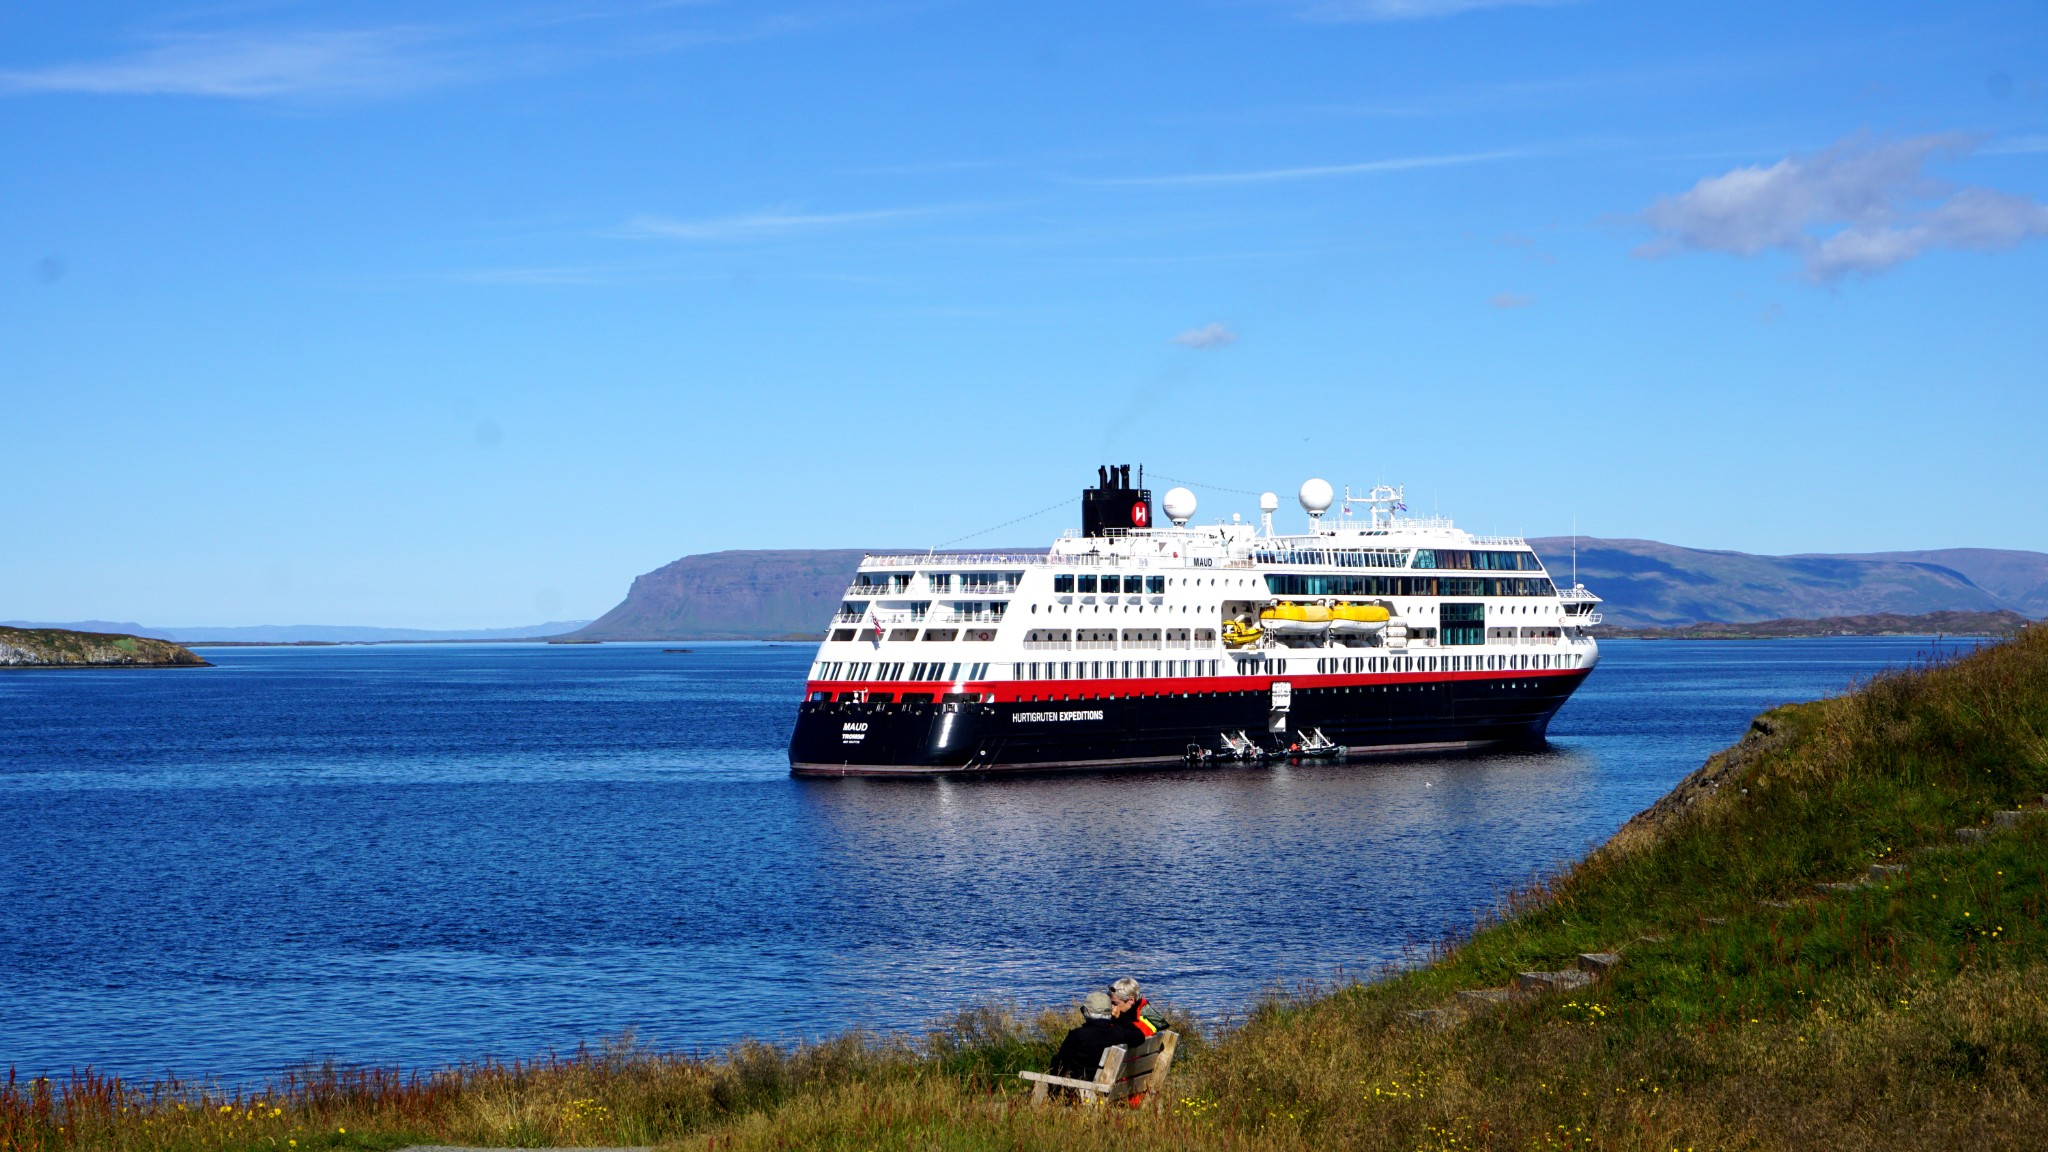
x=1063, y=583
x=1320, y=584
x=1473, y=560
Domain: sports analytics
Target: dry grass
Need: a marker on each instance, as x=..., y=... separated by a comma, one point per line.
x=1905, y=1015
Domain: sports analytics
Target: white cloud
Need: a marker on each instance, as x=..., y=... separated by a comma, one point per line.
x=247, y=65
x=1859, y=207
x=1512, y=300
x=1207, y=336
x=1385, y=10
x=773, y=222
x=1364, y=167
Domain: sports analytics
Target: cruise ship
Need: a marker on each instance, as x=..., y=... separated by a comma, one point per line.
x=1130, y=643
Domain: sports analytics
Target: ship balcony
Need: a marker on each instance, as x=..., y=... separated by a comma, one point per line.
x=848, y=617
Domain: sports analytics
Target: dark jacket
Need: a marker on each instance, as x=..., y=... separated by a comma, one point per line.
x=1080, y=1053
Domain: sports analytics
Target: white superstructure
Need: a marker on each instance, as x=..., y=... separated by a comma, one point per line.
x=1370, y=591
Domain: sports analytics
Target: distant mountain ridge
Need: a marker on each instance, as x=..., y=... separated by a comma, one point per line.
x=302, y=633
x=765, y=594
x=1651, y=584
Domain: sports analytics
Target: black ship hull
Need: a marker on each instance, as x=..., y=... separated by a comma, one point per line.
x=976, y=733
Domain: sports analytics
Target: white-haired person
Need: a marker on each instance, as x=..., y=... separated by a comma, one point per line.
x=1127, y=1006
x=1080, y=1053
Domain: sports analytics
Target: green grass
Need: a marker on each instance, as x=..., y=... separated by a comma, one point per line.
x=1907, y=1014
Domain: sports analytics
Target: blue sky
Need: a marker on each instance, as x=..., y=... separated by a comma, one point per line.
x=464, y=315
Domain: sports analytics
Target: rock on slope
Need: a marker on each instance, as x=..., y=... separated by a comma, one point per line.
x=59, y=648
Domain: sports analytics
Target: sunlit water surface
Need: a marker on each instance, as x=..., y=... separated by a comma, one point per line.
x=422, y=855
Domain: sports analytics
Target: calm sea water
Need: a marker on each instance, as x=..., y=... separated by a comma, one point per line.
x=422, y=855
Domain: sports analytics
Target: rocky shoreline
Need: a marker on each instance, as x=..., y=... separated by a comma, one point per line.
x=62, y=648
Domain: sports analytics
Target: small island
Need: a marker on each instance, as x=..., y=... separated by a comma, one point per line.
x=63, y=648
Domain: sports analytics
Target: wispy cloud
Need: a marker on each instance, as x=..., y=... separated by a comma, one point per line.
x=255, y=65
x=1859, y=208
x=2017, y=146
x=1316, y=172
x=1511, y=300
x=1350, y=11
x=769, y=223
x=1207, y=336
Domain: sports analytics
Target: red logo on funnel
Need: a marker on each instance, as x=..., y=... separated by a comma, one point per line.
x=1139, y=515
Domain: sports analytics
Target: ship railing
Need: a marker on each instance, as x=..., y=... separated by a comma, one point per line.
x=848, y=617
x=1095, y=645
x=877, y=589
x=1575, y=595
x=1498, y=541
x=951, y=559
x=1046, y=645
x=1002, y=589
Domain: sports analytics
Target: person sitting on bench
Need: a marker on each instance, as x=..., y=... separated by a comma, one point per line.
x=1080, y=1053
x=1128, y=1007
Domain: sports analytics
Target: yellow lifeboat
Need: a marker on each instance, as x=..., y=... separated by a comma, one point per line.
x=1358, y=619
x=1289, y=617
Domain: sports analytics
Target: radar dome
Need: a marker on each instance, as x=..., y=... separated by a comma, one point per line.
x=1179, y=504
x=1268, y=502
x=1316, y=497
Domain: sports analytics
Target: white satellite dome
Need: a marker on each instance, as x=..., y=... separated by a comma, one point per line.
x=1317, y=496
x=1179, y=504
x=1268, y=502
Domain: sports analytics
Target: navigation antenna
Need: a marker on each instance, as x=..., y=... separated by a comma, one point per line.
x=1575, y=550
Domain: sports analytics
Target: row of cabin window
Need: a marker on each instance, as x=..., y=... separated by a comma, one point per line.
x=1074, y=583
x=1114, y=669
x=1539, y=661
x=894, y=670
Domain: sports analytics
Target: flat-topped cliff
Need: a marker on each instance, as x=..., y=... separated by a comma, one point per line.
x=62, y=648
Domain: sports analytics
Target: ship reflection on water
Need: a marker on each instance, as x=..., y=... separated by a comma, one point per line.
x=1213, y=884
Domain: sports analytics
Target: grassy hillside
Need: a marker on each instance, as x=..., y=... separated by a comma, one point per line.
x=1772, y=993
x=62, y=648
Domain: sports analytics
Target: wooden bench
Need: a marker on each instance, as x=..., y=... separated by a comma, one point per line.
x=1140, y=1072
